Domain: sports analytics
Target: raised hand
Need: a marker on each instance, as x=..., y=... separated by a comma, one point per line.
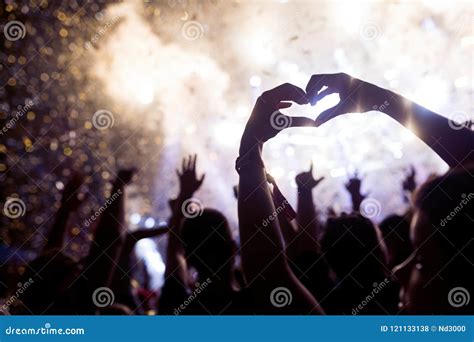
x=126, y=175
x=71, y=197
x=305, y=180
x=353, y=186
x=409, y=184
x=266, y=121
x=356, y=96
x=188, y=181
x=263, y=259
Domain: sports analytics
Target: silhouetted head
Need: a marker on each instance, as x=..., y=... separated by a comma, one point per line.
x=351, y=244
x=437, y=278
x=208, y=242
x=395, y=231
x=49, y=278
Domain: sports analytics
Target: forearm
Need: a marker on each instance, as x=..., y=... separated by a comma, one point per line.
x=56, y=235
x=453, y=146
x=175, y=260
x=306, y=216
x=108, y=239
x=261, y=239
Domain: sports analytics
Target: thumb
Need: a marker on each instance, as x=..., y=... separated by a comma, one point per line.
x=300, y=121
x=329, y=114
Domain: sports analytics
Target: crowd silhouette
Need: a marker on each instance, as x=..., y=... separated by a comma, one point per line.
x=287, y=261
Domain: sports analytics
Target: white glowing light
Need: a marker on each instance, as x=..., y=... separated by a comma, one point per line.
x=145, y=93
x=432, y=93
x=59, y=185
x=461, y=82
x=338, y=172
x=150, y=222
x=349, y=14
x=290, y=151
x=146, y=251
x=255, y=81
x=227, y=133
x=135, y=218
x=277, y=172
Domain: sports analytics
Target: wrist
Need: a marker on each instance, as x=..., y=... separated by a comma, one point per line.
x=304, y=189
x=184, y=195
x=250, y=144
x=393, y=104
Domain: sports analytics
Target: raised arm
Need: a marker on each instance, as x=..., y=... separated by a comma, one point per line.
x=109, y=235
x=70, y=201
x=174, y=291
x=353, y=187
x=454, y=146
x=264, y=262
x=189, y=183
x=286, y=215
x=306, y=218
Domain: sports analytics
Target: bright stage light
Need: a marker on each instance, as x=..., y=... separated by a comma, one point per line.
x=135, y=218
x=150, y=222
x=255, y=81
